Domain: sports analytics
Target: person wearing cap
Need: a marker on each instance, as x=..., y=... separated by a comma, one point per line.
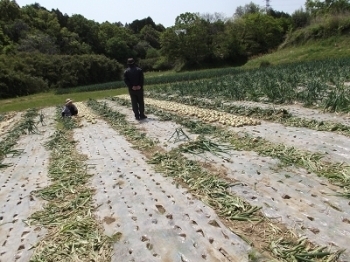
x=134, y=78
x=69, y=109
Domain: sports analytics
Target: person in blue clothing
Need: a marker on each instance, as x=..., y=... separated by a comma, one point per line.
x=69, y=109
x=134, y=79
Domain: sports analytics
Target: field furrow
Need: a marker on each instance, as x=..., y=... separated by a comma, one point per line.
x=301, y=200
x=157, y=219
x=27, y=173
x=173, y=187
x=333, y=147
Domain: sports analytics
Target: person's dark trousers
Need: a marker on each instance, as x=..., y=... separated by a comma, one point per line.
x=137, y=103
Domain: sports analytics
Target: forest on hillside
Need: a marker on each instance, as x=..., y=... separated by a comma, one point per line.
x=44, y=49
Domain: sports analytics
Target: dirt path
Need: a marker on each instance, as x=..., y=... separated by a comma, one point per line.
x=298, y=199
x=158, y=220
x=27, y=173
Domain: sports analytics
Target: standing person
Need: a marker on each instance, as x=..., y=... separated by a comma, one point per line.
x=133, y=78
x=69, y=109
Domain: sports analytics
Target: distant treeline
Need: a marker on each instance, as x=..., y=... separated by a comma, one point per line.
x=33, y=73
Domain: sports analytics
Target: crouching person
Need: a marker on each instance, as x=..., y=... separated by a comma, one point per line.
x=69, y=109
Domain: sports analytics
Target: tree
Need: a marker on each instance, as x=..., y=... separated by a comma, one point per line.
x=62, y=19
x=141, y=48
x=149, y=34
x=277, y=14
x=39, y=19
x=191, y=41
x=137, y=25
x=170, y=45
x=117, y=48
x=9, y=10
x=87, y=30
x=69, y=43
x=300, y=18
x=258, y=33
x=4, y=41
x=17, y=30
x=247, y=9
x=38, y=42
x=317, y=7
x=185, y=20
x=231, y=45
x=213, y=18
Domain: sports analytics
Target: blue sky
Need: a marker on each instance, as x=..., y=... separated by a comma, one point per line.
x=161, y=11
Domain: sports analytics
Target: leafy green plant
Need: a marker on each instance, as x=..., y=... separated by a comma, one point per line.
x=307, y=83
x=338, y=99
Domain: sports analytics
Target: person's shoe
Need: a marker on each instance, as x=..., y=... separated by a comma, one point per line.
x=137, y=118
x=143, y=117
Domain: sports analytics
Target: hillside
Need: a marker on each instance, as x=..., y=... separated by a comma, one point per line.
x=330, y=48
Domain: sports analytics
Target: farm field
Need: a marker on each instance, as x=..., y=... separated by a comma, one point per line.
x=178, y=186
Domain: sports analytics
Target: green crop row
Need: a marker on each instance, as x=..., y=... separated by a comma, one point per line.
x=323, y=84
x=156, y=80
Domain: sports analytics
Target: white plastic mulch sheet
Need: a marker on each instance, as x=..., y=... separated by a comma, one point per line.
x=165, y=136
x=158, y=220
x=299, y=199
x=10, y=120
x=299, y=111
x=334, y=147
x=27, y=173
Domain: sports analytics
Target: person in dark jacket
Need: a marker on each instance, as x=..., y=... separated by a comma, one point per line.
x=134, y=78
x=69, y=109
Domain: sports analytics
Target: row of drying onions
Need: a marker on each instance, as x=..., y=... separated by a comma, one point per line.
x=86, y=113
x=207, y=115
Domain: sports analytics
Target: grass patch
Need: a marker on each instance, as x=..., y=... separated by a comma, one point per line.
x=330, y=48
x=51, y=99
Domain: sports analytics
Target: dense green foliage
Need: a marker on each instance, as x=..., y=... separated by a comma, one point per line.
x=92, y=53
x=33, y=73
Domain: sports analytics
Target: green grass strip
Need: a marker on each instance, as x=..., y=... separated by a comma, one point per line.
x=157, y=80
